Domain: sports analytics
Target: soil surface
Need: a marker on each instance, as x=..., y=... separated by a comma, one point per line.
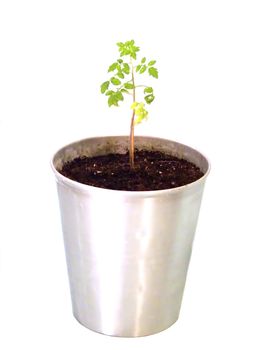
x=153, y=171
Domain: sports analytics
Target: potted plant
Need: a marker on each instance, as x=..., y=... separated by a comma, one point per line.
x=129, y=209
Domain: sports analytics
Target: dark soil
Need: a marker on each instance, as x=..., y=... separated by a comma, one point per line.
x=153, y=171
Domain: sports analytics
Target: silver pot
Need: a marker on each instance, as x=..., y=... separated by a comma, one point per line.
x=127, y=252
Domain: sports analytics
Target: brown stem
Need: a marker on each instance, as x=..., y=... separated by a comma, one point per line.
x=132, y=140
x=132, y=124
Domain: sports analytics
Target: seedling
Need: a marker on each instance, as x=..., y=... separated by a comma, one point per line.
x=123, y=83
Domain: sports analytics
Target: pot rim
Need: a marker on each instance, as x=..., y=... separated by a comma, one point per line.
x=99, y=190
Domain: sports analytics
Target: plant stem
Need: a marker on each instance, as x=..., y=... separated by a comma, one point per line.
x=132, y=123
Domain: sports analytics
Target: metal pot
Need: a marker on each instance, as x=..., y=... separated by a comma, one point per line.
x=127, y=252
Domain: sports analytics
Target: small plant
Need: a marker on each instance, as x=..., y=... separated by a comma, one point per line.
x=123, y=82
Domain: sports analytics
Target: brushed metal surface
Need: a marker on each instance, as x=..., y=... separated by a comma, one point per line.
x=127, y=252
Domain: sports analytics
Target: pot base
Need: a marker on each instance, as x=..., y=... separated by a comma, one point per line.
x=121, y=335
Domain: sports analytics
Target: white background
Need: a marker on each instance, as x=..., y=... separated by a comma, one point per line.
x=54, y=55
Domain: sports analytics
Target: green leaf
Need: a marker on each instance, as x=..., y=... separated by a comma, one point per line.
x=149, y=98
x=120, y=75
x=119, y=61
x=128, y=49
x=143, y=60
x=148, y=90
x=125, y=91
x=138, y=67
x=123, y=52
x=151, y=63
x=112, y=101
x=109, y=92
x=112, y=67
x=126, y=68
x=153, y=72
x=140, y=112
x=119, y=96
x=133, y=55
x=128, y=86
x=104, y=86
x=143, y=69
x=115, y=81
